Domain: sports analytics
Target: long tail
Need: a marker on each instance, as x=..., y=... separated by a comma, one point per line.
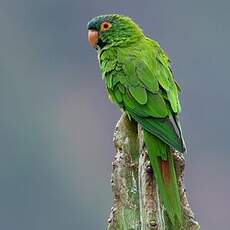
x=163, y=167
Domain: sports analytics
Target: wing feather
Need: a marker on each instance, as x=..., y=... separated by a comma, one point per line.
x=143, y=85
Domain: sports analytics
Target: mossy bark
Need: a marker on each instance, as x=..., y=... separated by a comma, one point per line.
x=136, y=202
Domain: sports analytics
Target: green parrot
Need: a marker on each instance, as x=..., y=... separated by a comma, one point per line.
x=140, y=81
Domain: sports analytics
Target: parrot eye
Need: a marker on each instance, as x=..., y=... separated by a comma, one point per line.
x=105, y=26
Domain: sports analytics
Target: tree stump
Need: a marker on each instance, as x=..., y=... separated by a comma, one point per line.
x=136, y=202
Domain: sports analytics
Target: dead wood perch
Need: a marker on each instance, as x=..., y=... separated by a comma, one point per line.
x=136, y=203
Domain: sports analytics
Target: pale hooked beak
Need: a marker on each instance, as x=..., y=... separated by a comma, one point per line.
x=93, y=37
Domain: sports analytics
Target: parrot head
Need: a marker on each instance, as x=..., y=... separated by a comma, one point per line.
x=112, y=30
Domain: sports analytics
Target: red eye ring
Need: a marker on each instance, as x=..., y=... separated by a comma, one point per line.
x=105, y=26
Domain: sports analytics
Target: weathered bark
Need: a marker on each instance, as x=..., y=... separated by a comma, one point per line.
x=136, y=202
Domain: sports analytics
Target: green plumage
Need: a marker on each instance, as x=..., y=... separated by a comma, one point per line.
x=139, y=79
x=168, y=189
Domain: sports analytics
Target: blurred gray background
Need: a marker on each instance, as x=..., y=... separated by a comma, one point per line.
x=56, y=123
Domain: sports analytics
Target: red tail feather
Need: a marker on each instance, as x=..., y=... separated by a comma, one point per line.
x=165, y=170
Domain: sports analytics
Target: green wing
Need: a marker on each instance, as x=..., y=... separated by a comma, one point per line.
x=139, y=79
